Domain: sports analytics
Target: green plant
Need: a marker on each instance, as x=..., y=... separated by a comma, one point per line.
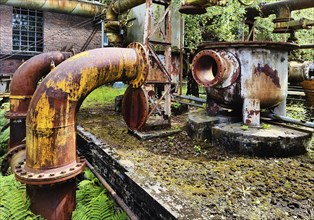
x=198, y=149
x=93, y=202
x=5, y=134
x=102, y=96
x=14, y=203
x=265, y=126
x=244, y=127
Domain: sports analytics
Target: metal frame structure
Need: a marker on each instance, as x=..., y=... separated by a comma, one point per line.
x=161, y=28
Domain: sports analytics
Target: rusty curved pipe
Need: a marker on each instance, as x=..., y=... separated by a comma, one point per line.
x=50, y=123
x=73, y=7
x=23, y=86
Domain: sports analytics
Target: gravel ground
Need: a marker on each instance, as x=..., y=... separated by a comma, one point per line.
x=214, y=183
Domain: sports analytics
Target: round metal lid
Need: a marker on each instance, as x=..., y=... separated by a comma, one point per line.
x=135, y=108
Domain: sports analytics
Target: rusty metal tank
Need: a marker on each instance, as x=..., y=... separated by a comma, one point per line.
x=247, y=76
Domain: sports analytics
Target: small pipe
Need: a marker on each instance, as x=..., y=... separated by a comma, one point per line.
x=290, y=120
x=114, y=195
x=23, y=86
x=292, y=5
x=111, y=23
x=73, y=7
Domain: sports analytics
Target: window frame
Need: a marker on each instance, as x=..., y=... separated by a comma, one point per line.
x=27, y=30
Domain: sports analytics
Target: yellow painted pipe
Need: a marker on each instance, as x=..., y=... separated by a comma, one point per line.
x=50, y=123
x=73, y=7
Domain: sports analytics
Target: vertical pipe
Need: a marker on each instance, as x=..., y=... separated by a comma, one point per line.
x=50, y=124
x=23, y=85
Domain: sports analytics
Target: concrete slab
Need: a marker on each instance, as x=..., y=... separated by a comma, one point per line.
x=200, y=124
x=272, y=141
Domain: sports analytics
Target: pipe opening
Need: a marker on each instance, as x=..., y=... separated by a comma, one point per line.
x=206, y=70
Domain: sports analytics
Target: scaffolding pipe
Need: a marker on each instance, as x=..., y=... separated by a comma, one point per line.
x=23, y=86
x=73, y=7
x=50, y=124
x=112, y=25
x=292, y=5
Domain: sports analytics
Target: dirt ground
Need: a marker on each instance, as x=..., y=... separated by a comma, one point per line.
x=216, y=184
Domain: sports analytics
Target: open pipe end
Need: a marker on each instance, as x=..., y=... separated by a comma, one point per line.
x=207, y=68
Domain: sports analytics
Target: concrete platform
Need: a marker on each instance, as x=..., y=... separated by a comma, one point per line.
x=272, y=141
x=200, y=124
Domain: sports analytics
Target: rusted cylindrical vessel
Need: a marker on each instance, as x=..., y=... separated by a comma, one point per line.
x=23, y=85
x=50, y=124
x=260, y=79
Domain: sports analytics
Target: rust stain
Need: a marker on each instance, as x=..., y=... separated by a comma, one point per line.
x=268, y=71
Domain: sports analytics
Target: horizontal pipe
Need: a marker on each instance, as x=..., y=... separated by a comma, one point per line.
x=292, y=5
x=199, y=6
x=212, y=68
x=290, y=120
x=73, y=7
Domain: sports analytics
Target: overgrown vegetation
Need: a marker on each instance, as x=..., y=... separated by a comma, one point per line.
x=227, y=24
x=5, y=131
x=92, y=201
x=102, y=96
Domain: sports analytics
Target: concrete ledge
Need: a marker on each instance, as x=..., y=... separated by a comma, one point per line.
x=147, y=201
x=273, y=141
x=200, y=124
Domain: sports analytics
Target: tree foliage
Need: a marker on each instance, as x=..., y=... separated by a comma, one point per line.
x=227, y=24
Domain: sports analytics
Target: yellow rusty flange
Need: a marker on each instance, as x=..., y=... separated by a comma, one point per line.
x=143, y=65
x=30, y=176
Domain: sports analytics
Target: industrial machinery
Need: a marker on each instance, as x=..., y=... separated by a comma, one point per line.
x=246, y=76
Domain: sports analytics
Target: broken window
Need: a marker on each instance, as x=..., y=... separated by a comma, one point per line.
x=27, y=28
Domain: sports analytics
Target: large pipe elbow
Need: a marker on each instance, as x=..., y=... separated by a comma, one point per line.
x=50, y=122
x=215, y=68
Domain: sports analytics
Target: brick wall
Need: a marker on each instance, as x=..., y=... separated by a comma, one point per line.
x=60, y=32
x=5, y=29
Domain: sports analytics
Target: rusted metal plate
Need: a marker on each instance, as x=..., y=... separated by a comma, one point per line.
x=135, y=108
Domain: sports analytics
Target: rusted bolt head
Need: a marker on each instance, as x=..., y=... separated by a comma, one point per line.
x=72, y=168
x=40, y=176
x=30, y=175
x=18, y=171
x=51, y=174
x=21, y=163
x=23, y=173
x=17, y=166
x=63, y=172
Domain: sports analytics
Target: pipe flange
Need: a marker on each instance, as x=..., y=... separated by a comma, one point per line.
x=207, y=73
x=51, y=176
x=143, y=67
x=15, y=115
x=7, y=158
